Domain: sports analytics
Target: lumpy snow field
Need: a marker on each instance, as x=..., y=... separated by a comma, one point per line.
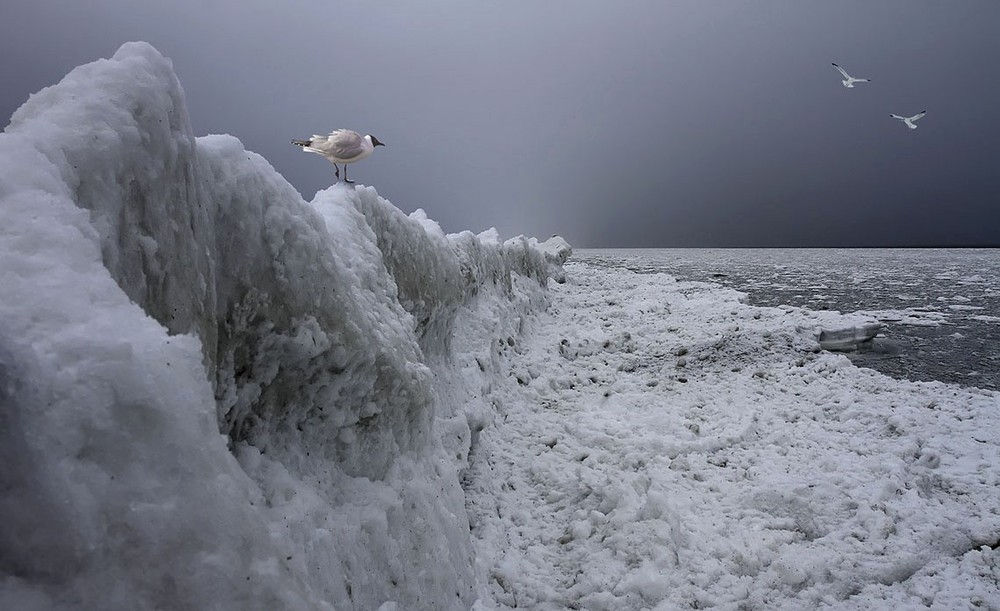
x=663, y=445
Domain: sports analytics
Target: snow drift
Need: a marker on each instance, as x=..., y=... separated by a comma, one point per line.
x=215, y=394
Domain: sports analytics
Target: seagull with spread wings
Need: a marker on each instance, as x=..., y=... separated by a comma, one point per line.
x=850, y=80
x=909, y=121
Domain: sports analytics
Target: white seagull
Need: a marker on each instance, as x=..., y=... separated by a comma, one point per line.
x=341, y=146
x=850, y=80
x=909, y=120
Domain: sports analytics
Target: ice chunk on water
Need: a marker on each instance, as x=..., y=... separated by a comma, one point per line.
x=849, y=338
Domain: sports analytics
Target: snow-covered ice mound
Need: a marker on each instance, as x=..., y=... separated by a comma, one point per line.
x=663, y=445
x=215, y=395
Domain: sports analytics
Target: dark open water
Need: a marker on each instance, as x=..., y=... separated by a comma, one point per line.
x=940, y=307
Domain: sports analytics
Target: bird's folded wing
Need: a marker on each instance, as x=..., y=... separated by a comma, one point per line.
x=344, y=144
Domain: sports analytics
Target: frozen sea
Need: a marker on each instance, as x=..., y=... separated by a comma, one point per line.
x=940, y=307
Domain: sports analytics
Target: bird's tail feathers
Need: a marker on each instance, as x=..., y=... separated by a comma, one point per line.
x=301, y=142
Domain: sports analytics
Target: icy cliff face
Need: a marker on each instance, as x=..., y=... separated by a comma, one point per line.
x=215, y=394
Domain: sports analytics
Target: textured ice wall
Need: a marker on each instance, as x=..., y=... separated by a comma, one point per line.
x=214, y=394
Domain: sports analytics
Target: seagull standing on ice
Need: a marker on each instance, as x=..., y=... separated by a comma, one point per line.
x=850, y=80
x=341, y=146
x=909, y=120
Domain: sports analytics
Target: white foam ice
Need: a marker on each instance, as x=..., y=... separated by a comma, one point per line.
x=664, y=445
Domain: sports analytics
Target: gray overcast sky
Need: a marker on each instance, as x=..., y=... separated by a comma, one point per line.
x=667, y=124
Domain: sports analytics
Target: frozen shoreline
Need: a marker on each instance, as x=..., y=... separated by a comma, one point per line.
x=667, y=446
x=933, y=304
x=218, y=395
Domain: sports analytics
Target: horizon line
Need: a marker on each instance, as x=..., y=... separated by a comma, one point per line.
x=913, y=247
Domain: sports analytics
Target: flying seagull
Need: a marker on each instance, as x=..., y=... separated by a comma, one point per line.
x=849, y=83
x=341, y=146
x=909, y=120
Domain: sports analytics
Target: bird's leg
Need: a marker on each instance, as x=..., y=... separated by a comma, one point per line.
x=336, y=172
x=348, y=181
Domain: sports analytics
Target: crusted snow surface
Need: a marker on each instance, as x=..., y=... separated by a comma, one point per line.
x=662, y=445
